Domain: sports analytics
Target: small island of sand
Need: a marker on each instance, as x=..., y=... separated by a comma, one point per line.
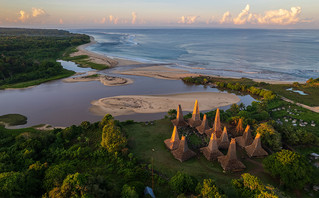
x=104, y=79
x=131, y=104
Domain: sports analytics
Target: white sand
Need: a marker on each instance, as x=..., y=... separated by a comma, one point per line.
x=131, y=104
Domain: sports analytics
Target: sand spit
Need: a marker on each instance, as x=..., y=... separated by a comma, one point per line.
x=99, y=58
x=104, y=79
x=131, y=104
x=160, y=72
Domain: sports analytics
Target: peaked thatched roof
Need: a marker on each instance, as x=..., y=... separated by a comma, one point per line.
x=223, y=141
x=183, y=153
x=174, y=141
x=255, y=149
x=195, y=120
x=230, y=162
x=211, y=152
x=246, y=139
x=216, y=127
x=204, y=126
x=179, y=121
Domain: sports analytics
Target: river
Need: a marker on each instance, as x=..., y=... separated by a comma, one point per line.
x=62, y=104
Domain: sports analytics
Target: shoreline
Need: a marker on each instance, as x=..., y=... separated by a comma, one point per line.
x=139, y=104
x=100, y=58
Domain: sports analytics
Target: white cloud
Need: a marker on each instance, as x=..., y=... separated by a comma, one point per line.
x=36, y=12
x=23, y=16
x=61, y=21
x=227, y=18
x=113, y=19
x=271, y=17
x=134, y=17
x=188, y=19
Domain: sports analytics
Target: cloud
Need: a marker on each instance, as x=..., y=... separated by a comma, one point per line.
x=36, y=12
x=244, y=16
x=23, y=16
x=227, y=18
x=271, y=17
x=188, y=19
x=113, y=19
x=61, y=21
x=134, y=17
x=281, y=16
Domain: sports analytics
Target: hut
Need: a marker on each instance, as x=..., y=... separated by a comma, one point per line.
x=179, y=121
x=216, y=127
x=230, y=162
x=204, y=126
x=174, y=141
x=195, y=120
x=255, y=149
x=245, y=139
x=211, y=152
x=183, y=153
x=223, y=141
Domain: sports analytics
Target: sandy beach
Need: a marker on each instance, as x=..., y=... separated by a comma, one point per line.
x=131, y=104
x=104, y=79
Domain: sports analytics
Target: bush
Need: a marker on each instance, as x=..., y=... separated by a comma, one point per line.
x=292, y=169
x=128, y=192
x=250, y=186
x=210, y=190
x=182, y=183
x=269, y=136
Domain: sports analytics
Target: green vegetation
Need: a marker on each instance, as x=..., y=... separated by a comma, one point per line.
x=13, y=119
x=293, y=169
x=249, y=86
x=250, y=186
x=29, y=55
x=83, y=61
x=269, y=136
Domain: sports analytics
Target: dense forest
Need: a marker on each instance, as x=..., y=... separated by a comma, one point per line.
x=30, y=54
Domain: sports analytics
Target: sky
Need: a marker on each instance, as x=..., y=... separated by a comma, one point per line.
x=279, y=14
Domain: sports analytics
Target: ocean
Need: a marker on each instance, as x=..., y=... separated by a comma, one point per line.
x=287, y=55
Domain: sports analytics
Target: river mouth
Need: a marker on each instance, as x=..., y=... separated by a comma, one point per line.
x=63, y=104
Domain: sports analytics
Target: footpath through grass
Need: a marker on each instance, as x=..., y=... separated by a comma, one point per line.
x=146, y=142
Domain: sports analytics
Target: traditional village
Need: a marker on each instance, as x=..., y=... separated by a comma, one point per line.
x=219, y=140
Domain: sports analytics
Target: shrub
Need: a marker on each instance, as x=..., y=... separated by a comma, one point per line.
x=292, y=169
x=269, y=136
x=182, y=183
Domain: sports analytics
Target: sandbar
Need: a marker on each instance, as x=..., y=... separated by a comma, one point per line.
x=132, y=104
x=104, y=79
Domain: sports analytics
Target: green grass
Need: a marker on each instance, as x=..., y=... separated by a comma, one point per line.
x=13, y=119
x=304, y=114
x=66, y=74
x=83, y=61
x=312, y=99
x=143, y=139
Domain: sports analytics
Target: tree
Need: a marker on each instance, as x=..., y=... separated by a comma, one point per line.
x=75, y=185
x=182, y=183
x=210, y=190
x=269, y=136
x=292, y=168
x=251, y=187
x=128, y=192
x=112, y=138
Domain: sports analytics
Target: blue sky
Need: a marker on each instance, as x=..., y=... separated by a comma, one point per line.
x=151, y=13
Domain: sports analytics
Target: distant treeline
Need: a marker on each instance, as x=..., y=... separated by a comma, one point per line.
x=30, y=54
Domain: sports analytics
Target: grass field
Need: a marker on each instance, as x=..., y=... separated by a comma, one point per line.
x=143, y=139
x=312, y=99
x=13, y=119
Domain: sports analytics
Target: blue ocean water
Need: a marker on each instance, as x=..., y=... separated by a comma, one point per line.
x=291, y=55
